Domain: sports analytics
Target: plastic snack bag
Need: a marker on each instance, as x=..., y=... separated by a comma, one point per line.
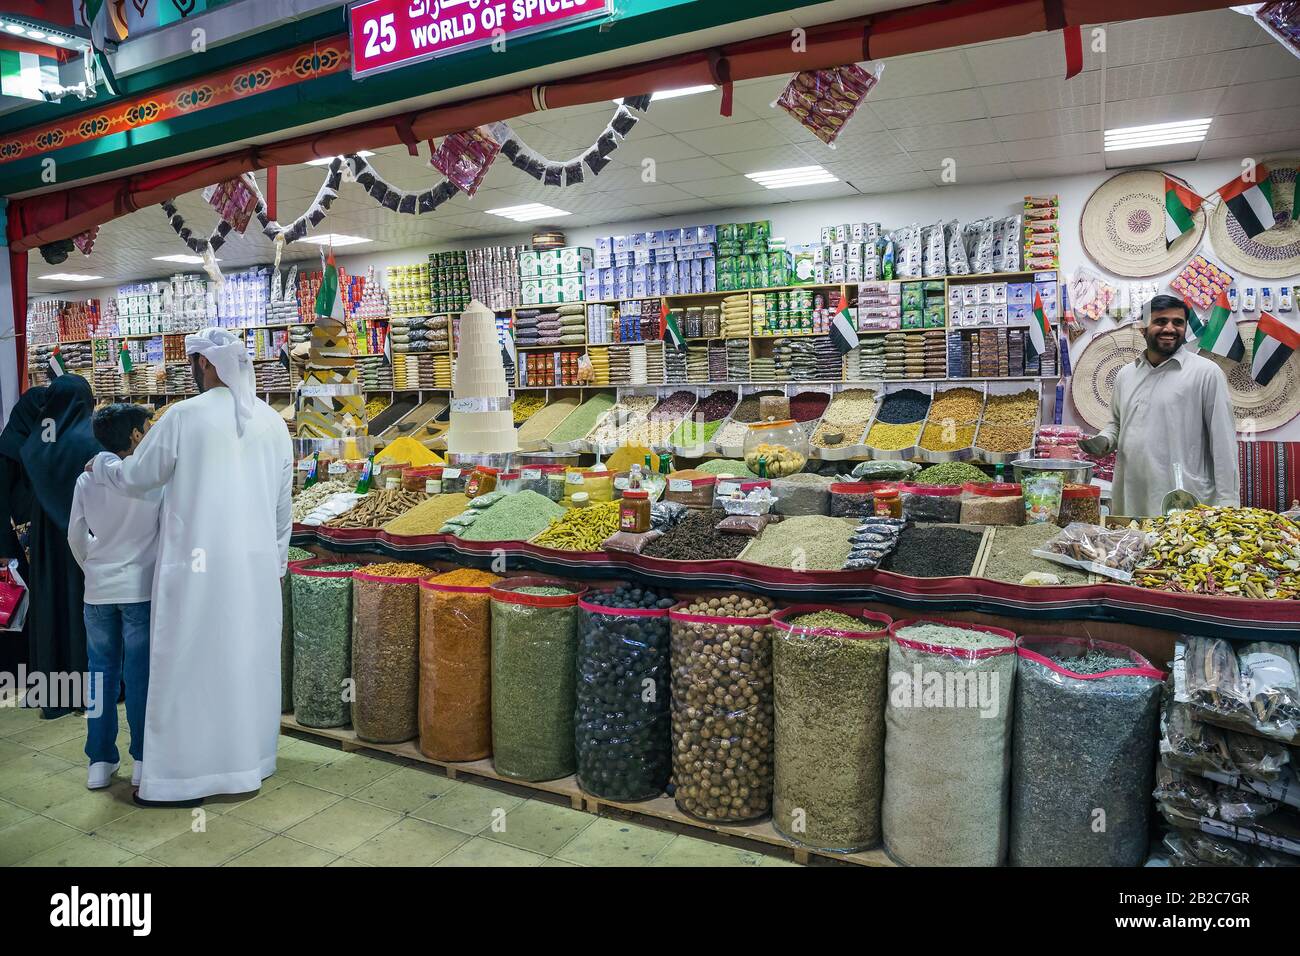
x=823, y=101
x=1042, y=492
x=465, y=157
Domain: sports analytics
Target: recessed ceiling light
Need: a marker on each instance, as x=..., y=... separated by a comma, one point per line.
x=326, y=160
x=528, y=212
x=187, y=260
x=36, y=34
x=57, y=39
x=69, y=277
x=14, y=28
x=330, y=239
x=1157, y=134
x=673, y=94
x=789, y=178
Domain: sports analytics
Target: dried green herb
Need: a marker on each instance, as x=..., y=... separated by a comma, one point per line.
x=322, y=646
x=286, y=633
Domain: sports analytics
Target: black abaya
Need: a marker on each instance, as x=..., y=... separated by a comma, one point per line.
x=16, y=505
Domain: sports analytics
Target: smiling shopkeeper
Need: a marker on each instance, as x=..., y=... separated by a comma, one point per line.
x=1170, y=406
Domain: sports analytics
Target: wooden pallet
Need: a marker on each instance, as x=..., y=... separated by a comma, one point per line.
x=760, y=837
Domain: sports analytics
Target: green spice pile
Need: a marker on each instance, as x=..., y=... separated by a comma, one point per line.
x=299, y=554
x=726, y=466
x=583, y=419
x=950, y=473
x=836, y=620
x=517, y=517
x=544, y=422
x=1010, y=557
x=804, y=543
x=286, y=632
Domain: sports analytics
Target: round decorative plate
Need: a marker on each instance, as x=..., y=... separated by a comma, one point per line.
x=1123, y=226
x=1093, y=381
x=1274, y=253
x=1260, y=408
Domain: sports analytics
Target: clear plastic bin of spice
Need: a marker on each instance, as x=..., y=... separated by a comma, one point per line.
x=856, y=499
x=416, y=477
x=776, y=449
x=749, y=500
x=1080, y=503
x=691, y=488
x=992, y=502
x=481, y=481
x=938, y=503
x=454, y=479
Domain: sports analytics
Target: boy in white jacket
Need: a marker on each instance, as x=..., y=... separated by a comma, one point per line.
x=115, y=540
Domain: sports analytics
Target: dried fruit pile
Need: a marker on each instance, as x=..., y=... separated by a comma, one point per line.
x=1246, y=552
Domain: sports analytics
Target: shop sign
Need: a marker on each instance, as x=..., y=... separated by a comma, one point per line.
x=386, y=34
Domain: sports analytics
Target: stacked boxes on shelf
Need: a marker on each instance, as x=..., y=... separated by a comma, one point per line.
x=1042, y=248
x=554, y=276
x=880, y=306
x=408, y=290
x=602, y=321
x=796, y=312
x=449, y=281
x=923, y=305
x=850, y=252
x=141, y=308
x=193, y=303
x=243, y=297
x=43, y=322
x=746, y=259
x=494, y=275
x=549, y=369
x=678, y=261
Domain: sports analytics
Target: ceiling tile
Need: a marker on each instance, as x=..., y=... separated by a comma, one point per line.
x=1047, y=123
x=1036, y=57
x=1049, y=147
x=971, y=175
x=1267, y=94
x=969, y=133
x=926, y=110
x=725, y=186
x=923, y=73
x=1191, y=34
x=699, y=111
x=1161, y=109
x=1152, y=156
x=1258, y=145
x=1046, y=94
x=662, y=149
x=1235, y=125
x=1061, y=166
x=962, y=156
x=726, y=138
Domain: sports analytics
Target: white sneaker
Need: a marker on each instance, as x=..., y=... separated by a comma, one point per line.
x=136, y=771
x=101, y=775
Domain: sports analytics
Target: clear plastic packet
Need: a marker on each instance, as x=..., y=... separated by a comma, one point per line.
x=1193, y=797
x=1241, y=806
x=487, y=500
x=885, y=470
x=1191, y=746
x=957, y=263
x=1112, y=552
x=751, y=525
x=322, y=641
x=1193, y=848
x=1272, y=681
x=823, y=101
x=1042, y=491
x=667, y=514
x=631, y=542
x=464, y=158
x=1230, y=691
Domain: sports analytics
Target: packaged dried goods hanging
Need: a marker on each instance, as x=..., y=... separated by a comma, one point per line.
x=386, y=651
x=322, y=641
x=622, y=728
x=1082, y=751
x=825, y=100
x=1194, y=746
x=456, y=665
x=935, y=503
x=1252, y=689
x=992, y=503
x=534, y=652
x=1080, y=503
x=722, y=706
x=948, y=743
x=829, y=668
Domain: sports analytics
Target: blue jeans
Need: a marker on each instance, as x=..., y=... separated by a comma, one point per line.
x=117, y=647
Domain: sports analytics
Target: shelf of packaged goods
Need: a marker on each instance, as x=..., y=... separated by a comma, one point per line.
x=549, y=348
x=760, y=836
x=983, y=277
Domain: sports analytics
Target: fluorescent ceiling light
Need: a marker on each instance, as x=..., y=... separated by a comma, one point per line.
x=14, y=28
x=36, y=34
x=1157, y=134
x=673, y=94
x=528, y=212
x=326, y=160
x=330, y=239
x=57, y=39
x=789, y=178
x=69, y=277
x=187, y=260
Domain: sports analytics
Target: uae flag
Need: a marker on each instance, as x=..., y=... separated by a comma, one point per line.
x=388, y=345
x=57, y=365
x=24, y=74
x=1275, y=342
x=328, y=303
x=124, y=364
x=1194, y=324
x=1250, y=201
x=1040, y=329
x=668, y=330
x=1221, y=336
x=1180, y=210
x=843, y=335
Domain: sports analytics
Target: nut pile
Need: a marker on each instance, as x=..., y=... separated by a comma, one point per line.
x=779, y=459
x=959, y=405
x=847, y=416
x=1247, y=552
x=1012, y=409
x=722, y=708
x=1006, y=438
x=308, y=499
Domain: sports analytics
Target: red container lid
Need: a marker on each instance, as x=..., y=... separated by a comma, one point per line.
x=754, y=485
x=994, y=489
x=1084, y=491
x=636, y=493
x=887, y=493
x=489, y=471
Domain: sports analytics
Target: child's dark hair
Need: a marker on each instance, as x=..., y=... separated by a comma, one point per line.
x=114, y=423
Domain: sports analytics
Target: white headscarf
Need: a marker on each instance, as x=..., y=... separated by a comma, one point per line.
x=229, y=356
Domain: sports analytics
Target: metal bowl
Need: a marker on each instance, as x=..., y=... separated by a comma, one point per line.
x=1071, y=472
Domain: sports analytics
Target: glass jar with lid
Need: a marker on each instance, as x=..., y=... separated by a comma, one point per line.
x=776, y=449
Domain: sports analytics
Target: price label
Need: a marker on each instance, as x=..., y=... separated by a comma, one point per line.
x=530, y=474
x=679, y=484
x=728, y=488
x=338, y=468
x=304, y=464
x=575, y=478
x=451, y=473
x=622, y=482
x=328, y=391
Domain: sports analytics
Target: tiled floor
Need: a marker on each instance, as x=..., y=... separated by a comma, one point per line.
x=323, y=807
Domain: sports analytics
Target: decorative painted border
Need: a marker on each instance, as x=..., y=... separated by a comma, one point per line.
x=309, y=62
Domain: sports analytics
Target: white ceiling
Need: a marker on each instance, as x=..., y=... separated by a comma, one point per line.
x=1001, y=110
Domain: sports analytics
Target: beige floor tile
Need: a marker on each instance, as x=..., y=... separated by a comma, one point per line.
x=11, y=813
x=467, y=808
x=410, y=842
x=280, y=851
x=345, y=861
x=16, y=719
x=141, y=861
x=28, y=768
x=94, y=809
x=28, y=837
x=777, y=861
x=50, y=733
x=615, y=843
x=689, y=851
x=221, y=839
x=405, y=789
x=49, y=791
x=284, y=806
x=348, y=774
x=73, y=750
x=9, y=750
x=554, y=862
x=540, y=827
x=145, y=829
x=481, y=852
x=81, y=851
x=343, y=826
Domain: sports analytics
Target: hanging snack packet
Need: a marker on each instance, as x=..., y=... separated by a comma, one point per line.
x=824, y=101
x=465, y=157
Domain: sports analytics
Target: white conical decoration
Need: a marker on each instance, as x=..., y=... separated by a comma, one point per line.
x=481, y=420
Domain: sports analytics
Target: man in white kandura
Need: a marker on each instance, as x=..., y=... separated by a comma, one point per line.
x=225, y=463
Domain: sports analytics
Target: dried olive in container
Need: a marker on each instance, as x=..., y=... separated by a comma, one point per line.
x=722, y=706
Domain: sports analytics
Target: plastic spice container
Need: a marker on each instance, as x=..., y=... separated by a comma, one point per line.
x=482, y=481
x=992, y=503
x=453, y=480
x=1080, y=503
x=940, y=503
x=691, y=488
x=417, y=477
x=634, y=511
x=854, y=499
x=455, y=671
x=623, y=741
x=888, y=503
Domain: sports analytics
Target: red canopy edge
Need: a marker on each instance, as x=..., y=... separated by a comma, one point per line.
x=36, y=220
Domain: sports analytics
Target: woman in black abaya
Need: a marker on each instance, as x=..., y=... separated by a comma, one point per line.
x=54, y=456
x=16, y=503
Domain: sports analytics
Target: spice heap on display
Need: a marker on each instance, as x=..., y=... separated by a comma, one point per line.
x=1247, y=552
